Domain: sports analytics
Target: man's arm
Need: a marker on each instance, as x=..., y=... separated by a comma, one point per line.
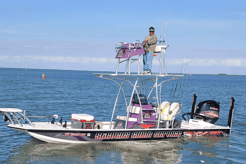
x=145, y=39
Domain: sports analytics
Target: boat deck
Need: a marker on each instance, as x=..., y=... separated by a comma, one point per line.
x=58, y=127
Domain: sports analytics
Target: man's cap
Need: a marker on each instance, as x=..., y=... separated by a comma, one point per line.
x=151, y=29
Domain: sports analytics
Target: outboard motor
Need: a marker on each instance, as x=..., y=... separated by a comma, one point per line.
x=208, y=111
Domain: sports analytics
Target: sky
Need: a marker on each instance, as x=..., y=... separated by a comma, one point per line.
x=81, y=35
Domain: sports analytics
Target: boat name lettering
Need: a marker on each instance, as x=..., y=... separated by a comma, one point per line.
x=202, y=133
x=141, y=134
x=167, y=134
x=75, y=134
x=214, y=133
x=120, y=135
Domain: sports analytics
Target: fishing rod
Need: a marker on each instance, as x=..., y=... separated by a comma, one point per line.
x=160, y=41
x=177, y=83
x=171, y=91
x=166, y=26
x=185, y=82
x=173, y=85
x=180, y=86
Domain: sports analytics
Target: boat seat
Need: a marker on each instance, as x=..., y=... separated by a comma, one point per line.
x=169, y=112
x=165, y=109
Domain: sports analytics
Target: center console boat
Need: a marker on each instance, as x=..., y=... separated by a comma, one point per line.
x=146, y=116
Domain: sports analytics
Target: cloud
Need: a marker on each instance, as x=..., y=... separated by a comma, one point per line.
x=58, y=59
x=3, y=57
x=78, y=55
x=173, y=61
x=230, y=62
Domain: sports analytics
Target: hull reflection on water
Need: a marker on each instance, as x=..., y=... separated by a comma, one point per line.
x=170, y=151
x=127, y=152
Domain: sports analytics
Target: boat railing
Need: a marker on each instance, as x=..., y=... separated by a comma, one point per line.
x=17, y=116
x=129, y=53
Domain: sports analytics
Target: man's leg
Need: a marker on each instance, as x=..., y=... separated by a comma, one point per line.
x=149, y=61
x=145, y=61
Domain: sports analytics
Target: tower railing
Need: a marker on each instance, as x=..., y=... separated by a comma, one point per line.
x=129, y=53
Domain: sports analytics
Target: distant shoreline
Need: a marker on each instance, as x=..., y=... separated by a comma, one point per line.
x=26, y=69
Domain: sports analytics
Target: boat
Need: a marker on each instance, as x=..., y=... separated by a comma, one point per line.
x=145, y=116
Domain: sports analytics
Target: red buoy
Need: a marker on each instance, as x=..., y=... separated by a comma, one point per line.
x=43, y=76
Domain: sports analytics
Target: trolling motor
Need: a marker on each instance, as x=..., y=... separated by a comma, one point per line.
x=207, y=110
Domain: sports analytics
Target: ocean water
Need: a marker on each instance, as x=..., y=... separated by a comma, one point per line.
x=67, y=92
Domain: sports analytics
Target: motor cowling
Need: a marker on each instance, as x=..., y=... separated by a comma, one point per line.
x=208, y=110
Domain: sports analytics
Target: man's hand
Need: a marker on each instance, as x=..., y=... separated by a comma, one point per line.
x=145, y=41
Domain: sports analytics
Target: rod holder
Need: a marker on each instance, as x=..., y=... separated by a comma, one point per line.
x=24, y=113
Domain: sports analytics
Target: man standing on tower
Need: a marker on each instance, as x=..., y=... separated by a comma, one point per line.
x=149, y=45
